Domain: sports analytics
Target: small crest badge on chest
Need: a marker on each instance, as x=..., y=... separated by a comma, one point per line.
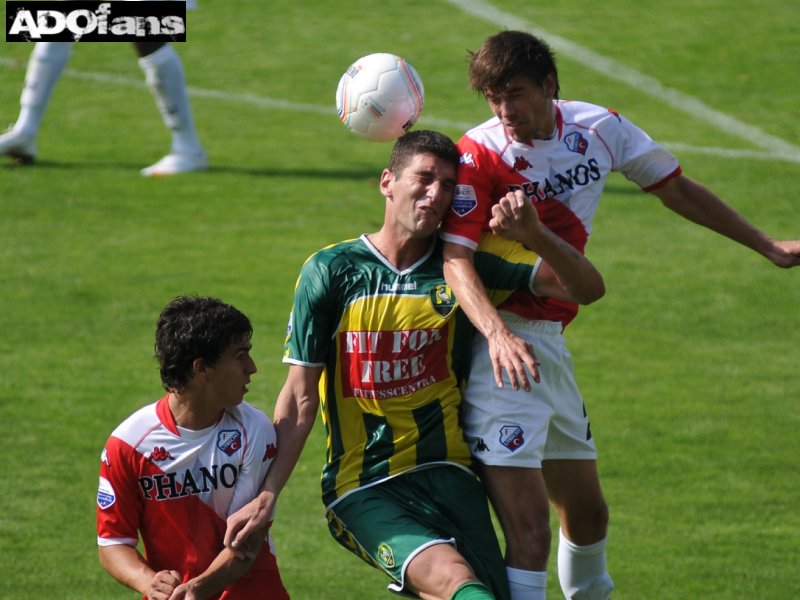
x=443, y=300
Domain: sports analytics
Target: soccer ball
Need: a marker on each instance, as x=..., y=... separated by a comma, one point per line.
x=379, y=97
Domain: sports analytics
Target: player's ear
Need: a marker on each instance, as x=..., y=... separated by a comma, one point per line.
x=550, y=85
x=387, y=178
x=199, y=367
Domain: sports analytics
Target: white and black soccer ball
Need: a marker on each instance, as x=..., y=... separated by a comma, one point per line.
x=380, y=97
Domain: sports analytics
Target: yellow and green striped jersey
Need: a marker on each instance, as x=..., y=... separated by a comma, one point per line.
x=395, y=351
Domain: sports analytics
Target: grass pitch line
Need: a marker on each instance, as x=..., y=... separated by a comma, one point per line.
x=769, y=153
x=774, y=146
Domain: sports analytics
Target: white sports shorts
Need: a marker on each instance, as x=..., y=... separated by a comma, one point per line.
x=512, y=428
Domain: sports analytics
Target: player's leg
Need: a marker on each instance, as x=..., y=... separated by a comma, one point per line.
x=440, y=572
x=165, y=78
x=519, y=498
x=507, y=431
x=429, y=530
x=45, y=66
x=574, y=488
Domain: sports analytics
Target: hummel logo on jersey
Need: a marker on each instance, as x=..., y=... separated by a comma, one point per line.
x=520, y=164
x=158, y=454
x=480, y=446
x=575, y=142
x=467, y=160
x=230, y=440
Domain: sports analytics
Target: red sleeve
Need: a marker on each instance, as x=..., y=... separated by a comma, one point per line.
x=119, y=507
x=475, y=193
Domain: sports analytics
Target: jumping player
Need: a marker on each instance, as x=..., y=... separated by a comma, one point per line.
x=559, y=154
x=376, y=337
x=172, y=472
x=165, y=77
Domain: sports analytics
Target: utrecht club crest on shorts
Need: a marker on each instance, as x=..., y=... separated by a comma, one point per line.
x=511, y=436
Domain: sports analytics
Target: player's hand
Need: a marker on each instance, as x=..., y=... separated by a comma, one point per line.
x=251, y=518
x=786, y=254
x=516, y=357
x=163, y=584
x=184, y=592
x=514, y=217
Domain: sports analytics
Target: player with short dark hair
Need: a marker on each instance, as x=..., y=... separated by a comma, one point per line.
x=376, y=340
x=172, y=472
x=558, y=154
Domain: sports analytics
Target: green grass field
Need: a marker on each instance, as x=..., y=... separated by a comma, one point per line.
x=689, y=366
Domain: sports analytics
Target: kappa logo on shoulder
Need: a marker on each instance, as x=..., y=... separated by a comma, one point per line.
x=270, y=453
x=520, y=164
x=467, y=160
x=159, y=453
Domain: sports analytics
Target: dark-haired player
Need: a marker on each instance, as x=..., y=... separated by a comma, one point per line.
x=172, y=472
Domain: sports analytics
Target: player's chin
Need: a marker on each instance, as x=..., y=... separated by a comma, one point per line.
x=427, y=224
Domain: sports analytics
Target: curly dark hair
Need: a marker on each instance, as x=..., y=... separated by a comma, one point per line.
x=193, y=327
x=423, y=141
x=507, y=55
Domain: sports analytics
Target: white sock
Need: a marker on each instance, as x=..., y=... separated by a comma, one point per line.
x=45, y=67
x=582, y=570
x=527, y=585
x=164, y=75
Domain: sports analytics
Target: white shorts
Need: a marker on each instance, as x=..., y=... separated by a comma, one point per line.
x=512, y=428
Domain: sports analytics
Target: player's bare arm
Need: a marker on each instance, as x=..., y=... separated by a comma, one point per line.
x=698, y=204
x=565, y=273
x=294, y=416
x=225, y=570
x=127, y=565
x=507, y=352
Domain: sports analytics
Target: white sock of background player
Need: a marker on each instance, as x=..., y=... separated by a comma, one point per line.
x=583, y=571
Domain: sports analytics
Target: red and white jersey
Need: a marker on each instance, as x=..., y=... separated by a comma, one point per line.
x=564, y=177
x=175, y=487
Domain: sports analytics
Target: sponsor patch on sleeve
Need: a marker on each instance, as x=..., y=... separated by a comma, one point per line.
x=105, y=494
x=464, y=200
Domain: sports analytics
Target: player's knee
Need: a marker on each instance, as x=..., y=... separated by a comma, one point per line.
x=439, y=573
x=586, y=524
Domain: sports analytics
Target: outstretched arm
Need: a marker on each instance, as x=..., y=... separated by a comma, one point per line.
x=508, y=352
x=295, y=412
x=696, y=203
x=564, y=273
